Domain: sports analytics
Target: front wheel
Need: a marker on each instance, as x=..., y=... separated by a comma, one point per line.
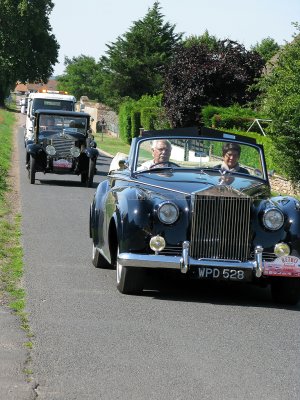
x=285, y=290
x=32, y=170
x=129, y=280
x=91, y=173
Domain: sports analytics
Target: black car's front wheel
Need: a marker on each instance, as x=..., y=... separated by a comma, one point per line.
x=91, y=173
x=285, y=290
x=129, y=280
x=32, y=170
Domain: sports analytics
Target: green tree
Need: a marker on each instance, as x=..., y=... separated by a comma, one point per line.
x=267, y=48
x=281, y=102
x=28, y=49
x=133, y=64
x=205, y=39
x=81, y=77
x=197, y=76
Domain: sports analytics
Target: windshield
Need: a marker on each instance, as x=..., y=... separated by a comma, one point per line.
x=198, y=153
x=52, y=104
x=70, y=124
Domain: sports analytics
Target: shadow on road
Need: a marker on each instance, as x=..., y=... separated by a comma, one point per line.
x=162, y=286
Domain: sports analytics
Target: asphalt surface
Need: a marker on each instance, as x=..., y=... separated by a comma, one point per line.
x=183, y=341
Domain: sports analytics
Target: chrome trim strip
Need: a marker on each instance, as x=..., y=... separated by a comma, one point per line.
x=175, y=262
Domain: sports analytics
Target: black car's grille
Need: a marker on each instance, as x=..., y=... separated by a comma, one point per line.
x=172, y=251
x=221, y=227
x=62, y=147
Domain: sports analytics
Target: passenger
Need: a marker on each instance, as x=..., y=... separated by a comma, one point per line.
x=231, y=155
x=161, y=151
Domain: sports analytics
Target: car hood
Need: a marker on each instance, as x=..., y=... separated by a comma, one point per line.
x=187, y=182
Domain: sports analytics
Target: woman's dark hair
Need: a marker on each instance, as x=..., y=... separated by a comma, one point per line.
x=231, y=146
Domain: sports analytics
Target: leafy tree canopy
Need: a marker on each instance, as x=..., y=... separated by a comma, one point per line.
x=281, y=102
x=197, y=76
x=206, y=39
x=267, y=48
x=81, y=77
x=133, y=64
x=28, y=49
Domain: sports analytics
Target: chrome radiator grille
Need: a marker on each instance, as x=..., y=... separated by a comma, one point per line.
x=62, y=147
x=221, y=228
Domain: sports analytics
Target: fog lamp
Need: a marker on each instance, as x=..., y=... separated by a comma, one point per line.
x=75, y=151
x=50, y=150
x=157, y=243
x=282, y=250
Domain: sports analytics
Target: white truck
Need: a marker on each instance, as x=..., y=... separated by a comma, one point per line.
x=46, y=100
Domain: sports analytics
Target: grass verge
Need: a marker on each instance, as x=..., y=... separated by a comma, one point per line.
x=11, y=252
x=111, y=144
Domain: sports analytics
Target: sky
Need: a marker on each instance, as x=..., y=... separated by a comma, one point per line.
x=87, y=26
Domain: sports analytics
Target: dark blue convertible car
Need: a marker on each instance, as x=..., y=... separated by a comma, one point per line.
x=203, y=209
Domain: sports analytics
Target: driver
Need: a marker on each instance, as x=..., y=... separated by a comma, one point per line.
x=161, y=151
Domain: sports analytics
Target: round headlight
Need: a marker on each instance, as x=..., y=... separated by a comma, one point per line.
x=50, y=150
x=168, y=213
x=75, y=151
x=282, y=250
x=273, y=219
x=157, y=243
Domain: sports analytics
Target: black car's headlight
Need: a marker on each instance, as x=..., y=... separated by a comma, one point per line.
x=273, y=219
x=75, y=151
x=50, y=150
x=168, y=212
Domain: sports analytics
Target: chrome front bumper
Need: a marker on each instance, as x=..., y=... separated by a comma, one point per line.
x=185, y=262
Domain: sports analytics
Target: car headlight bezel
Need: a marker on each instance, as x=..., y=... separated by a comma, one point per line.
x=50, y=150
x=75, y=151
x=273, y=219
x=168, y=212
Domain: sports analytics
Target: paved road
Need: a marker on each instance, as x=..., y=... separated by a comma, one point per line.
x=190, y=342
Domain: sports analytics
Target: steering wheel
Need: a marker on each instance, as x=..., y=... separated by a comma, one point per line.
x=164, y=164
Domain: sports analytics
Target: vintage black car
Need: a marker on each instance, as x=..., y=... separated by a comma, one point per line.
x=62, y=144
x=192, y=215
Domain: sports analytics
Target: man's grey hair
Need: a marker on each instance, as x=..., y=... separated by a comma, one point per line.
x=154, y=143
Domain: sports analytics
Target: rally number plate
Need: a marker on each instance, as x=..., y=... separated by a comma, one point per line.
x=225, y=274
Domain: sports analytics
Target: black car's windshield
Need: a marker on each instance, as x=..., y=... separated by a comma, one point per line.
x=49, y=123
x=198, y=153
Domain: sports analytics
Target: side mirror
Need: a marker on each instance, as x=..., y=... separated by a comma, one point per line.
x=93, y=144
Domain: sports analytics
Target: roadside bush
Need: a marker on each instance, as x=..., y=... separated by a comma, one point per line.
x=149, y=115
x=135, y=123
x=233, y=117
x=126, y=108
x=144, y=113
x=281, y=101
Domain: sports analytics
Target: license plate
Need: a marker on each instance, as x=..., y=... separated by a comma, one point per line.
x=64, y=164
x=225, y=274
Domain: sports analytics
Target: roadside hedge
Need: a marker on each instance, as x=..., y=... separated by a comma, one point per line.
x=233, y=117
x=144, y=113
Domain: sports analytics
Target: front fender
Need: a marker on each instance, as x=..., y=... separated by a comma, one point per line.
x=34, y=148
x=91, y=152
x=291, y=209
